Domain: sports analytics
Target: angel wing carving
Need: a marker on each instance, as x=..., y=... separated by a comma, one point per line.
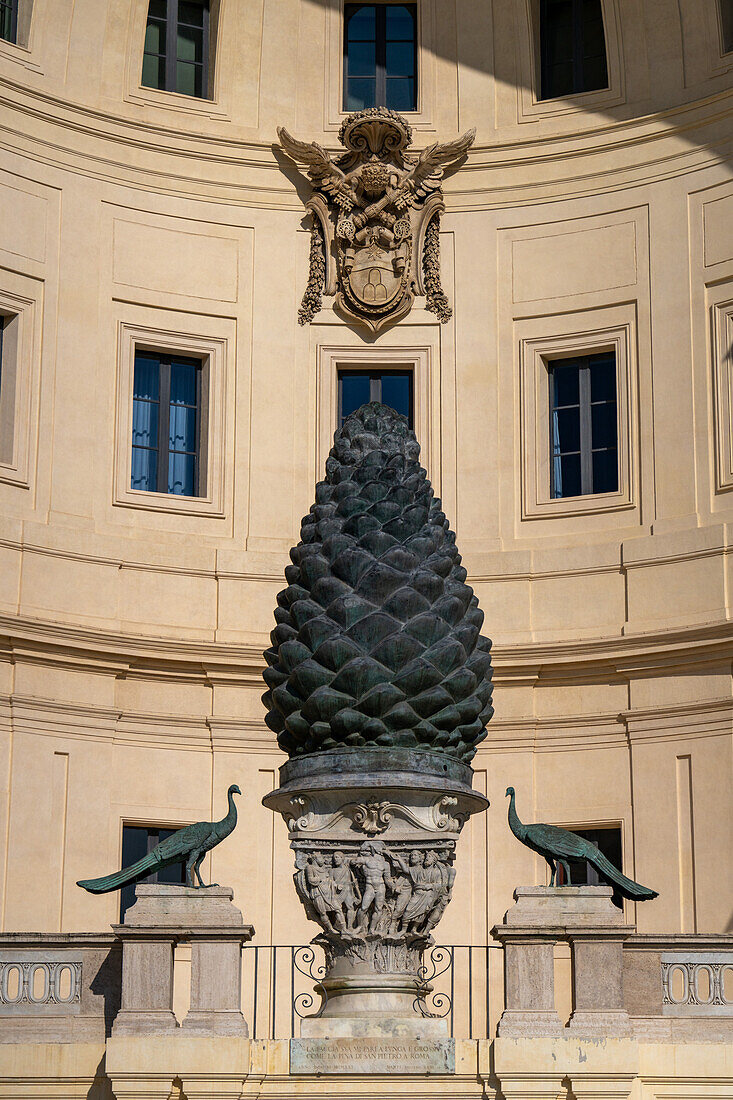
x=321, y=170
x=428, y=172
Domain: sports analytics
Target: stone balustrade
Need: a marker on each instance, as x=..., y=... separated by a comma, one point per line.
x=680, y=986
x=67, y=987
x=58, y=987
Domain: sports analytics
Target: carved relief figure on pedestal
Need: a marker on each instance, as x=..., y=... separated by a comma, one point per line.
x=376, y=869
x=348, y=894
x=375, y=893
x=375, y=241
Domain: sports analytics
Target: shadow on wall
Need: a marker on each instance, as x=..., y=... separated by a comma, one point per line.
x=107, y=983
x=501, y=39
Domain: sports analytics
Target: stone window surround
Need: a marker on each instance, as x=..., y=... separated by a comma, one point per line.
x=530, y=107
x=722, y=358
x=212, y=353
x=717, y=15
x=211, y=106
x=20, y=299
x=23, y=30
x=703, y=50
x=534, y=355
x=425, y=388
x=334, y=113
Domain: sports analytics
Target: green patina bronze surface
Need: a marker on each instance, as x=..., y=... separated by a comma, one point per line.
x=190, y=844
x=558, y=845
x=378, y=641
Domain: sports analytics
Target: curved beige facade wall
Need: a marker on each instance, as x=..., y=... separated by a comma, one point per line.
x=133, y=625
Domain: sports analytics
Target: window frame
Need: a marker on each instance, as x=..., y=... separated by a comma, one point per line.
x=577, y=55
x=526, y=105
x=428, y=370
x=592, y=876
x=585, y=411
x=21, y=299
x=725, y=16
x=153, y=876
x=536, y=352
x=721, y=313
x=375, y=376
x=13, y=6
x=170, y=57
x=165, y=360
x=217, y=417
x=380, y=52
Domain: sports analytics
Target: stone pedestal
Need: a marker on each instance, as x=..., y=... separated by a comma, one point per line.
x=529, y=989
x=374, y=835
x=146, y=1005
x=161, y=917
x=585, y=917
x=598, y=992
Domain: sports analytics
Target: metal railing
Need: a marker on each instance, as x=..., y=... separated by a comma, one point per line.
x=281, y=987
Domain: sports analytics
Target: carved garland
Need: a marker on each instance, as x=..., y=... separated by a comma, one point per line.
x=436, y=298
x=313, y=296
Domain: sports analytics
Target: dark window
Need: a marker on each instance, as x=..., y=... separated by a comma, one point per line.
x=393, y=388
x=176, y=54
x=9, y=20
x=166, y=424
x=608, y=841
x=572, y=47
x=726, y=20
x=583, y=430
x=137, y=841
x=380, y=56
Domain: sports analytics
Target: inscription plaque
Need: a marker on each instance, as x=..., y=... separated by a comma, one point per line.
x=373, y=1055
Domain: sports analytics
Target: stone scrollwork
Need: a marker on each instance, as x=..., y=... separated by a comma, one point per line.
x=302, y=817
x=376, y=208
x=376, y=903
x=372, y=817
x=445, y=816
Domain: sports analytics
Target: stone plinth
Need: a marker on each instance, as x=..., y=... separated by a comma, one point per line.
x=161, y=917
x=585, y=917
x=368, y=1056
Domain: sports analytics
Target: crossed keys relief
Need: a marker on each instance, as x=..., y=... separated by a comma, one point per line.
x=375, y=239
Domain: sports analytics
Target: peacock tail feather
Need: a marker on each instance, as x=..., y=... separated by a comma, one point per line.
x=630, y=889
x=122, y=878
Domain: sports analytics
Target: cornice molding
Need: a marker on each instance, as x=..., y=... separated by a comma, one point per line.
x=679, y=139
x=623, y=657
x=34, y=716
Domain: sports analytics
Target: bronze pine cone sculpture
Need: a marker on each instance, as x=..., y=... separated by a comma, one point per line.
x=377, y=642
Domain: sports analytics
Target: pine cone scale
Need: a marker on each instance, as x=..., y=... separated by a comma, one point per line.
x=377, y=639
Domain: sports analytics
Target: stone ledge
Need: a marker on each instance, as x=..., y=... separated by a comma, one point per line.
x=175, y=932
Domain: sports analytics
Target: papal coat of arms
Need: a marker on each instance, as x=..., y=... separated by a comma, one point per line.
x=375, y=238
